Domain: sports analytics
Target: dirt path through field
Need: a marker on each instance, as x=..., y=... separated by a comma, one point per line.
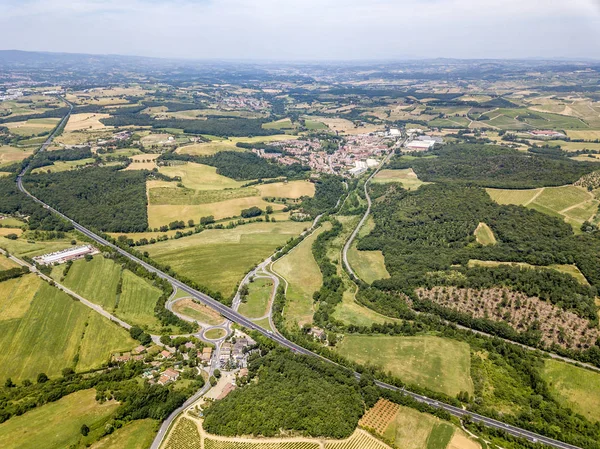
x=534, y=197
x=590, y=198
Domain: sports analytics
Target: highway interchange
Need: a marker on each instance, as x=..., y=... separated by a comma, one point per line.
x=236, y=317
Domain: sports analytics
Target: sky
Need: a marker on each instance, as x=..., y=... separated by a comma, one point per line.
x=306, y=29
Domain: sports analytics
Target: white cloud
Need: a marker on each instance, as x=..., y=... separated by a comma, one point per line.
x=307, y=29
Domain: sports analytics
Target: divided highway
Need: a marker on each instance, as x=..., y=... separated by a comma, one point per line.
x=234, y=316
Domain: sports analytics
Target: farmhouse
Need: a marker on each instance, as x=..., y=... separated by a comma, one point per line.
x=206, y=355
x=547, y=134
x=66, y=255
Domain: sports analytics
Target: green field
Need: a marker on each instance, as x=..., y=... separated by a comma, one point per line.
x=21, y=247
x=411, y=429
x=56, y=425
x=437, y=363
x=219, y=144
x=351, y=312
x=134, y=435
x=137, y=301
x=484, y=235
x=6, y=263
x=283, y=124
x=368, y=265
x=304, y=278
x=95, y=280
x=573, y=204
x=577, y=388
x=214, y=334
x=60, y=166
x=200, y=177
x=407, y=177
x=219, y=258
x=256, y=305
x=44, y=330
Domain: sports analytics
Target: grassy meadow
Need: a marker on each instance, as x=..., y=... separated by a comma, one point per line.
x=304, y=278
x=137, y=434
x=407, y=177
x=577, y=388
x=219, y=144
x=203, y=192
x=436, y=363
x=257, y=302
x=56, y=425
x=97, y=281
x=197, y=311
x=484, y=235
x=574, y=204
x=44, y=330
x=219, y=258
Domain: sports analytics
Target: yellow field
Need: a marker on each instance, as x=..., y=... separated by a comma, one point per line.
x=586, y=135
x=13, y=154
x=165, y=214
x=143, y=162
x=407, y=177
x=79, y=122
x=32, y=126
x=16, y=296
x=293, y=189
x=6, y=231
x=208, y=148
x=568, y=269
x=484, y=235
x=197, y=177
x=346, y=126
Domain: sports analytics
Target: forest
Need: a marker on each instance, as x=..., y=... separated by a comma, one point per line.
x=427, y=239
x=103, y=198
x=328, y=191
x=241, y=166
x=45, y=158
x=288, y=392
x=494, y=166
x=14, y=202
x=222, y=127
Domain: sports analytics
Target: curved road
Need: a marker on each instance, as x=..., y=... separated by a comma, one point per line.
x=234, y=316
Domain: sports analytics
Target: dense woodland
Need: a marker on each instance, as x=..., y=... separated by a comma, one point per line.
x=494, y=166
x=45, y=158
x=289, y=392
x=241, y=166
x=222, y=127
x=427, y=233
x=102, y=198
x=14, y=202
x=328, y=191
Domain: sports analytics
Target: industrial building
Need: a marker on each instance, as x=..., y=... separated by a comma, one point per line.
x=65, y=255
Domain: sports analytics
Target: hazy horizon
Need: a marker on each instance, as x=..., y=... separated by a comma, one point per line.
x=315, y=30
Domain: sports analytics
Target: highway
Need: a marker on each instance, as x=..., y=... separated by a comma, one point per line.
x=234, y=316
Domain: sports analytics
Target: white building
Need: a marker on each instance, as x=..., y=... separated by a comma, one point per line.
x=372, y=163
x=394, y=132
x=66, y=255
x=420, y=145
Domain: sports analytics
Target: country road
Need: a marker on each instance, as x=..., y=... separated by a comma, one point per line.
x=234, y=316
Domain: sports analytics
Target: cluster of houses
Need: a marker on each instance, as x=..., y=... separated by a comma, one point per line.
x=235, y=354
